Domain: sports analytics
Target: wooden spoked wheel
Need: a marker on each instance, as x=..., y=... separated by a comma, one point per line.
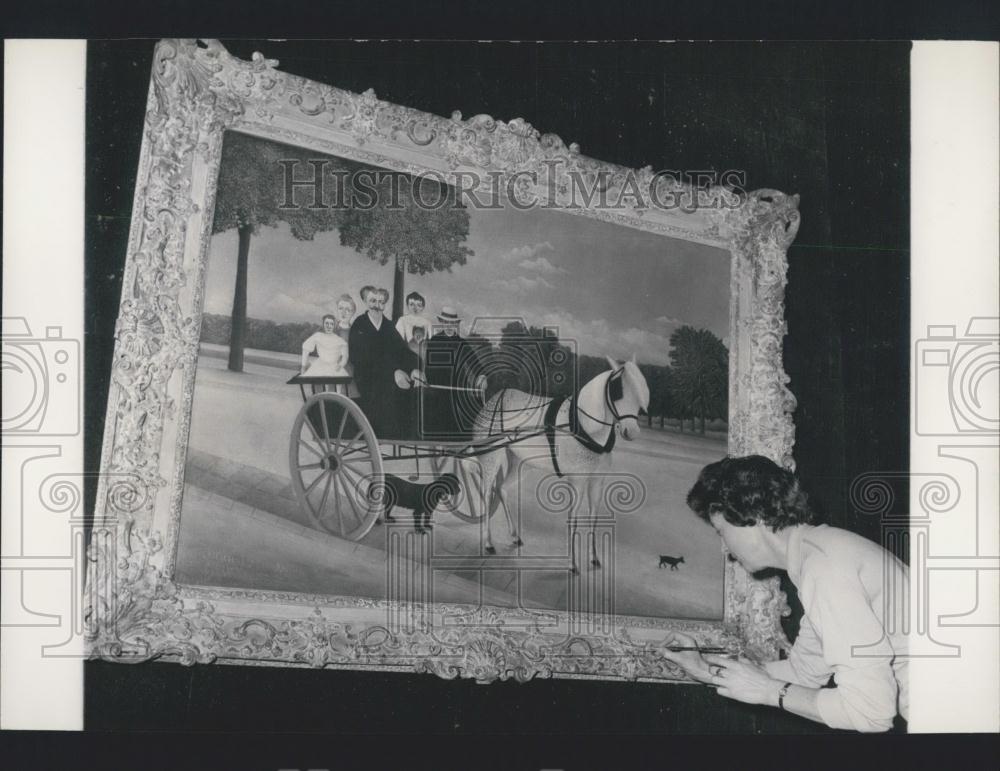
x=336, y=467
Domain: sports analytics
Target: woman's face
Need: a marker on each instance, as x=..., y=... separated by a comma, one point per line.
x=416, y=307
x=344, y=311
x=746, y=544
x=329, y=325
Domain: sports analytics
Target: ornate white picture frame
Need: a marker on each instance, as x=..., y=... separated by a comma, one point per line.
x=137, y=611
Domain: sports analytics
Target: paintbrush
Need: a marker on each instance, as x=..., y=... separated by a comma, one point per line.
x=680, y=648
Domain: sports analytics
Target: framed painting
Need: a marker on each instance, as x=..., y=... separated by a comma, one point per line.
x=399, y=391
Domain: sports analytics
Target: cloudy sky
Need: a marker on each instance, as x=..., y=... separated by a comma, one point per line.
x=612, y=289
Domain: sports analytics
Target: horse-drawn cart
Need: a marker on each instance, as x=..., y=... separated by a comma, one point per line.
x=336, y=462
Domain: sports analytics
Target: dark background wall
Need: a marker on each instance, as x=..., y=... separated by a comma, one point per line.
x=829, y=121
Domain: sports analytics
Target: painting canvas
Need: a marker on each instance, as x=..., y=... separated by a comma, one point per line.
x=397, y=391
x=545, y=302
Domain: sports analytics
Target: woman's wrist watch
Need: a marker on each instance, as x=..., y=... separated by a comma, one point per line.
x=782, y=694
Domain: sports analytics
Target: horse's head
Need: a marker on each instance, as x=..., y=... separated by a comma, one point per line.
x=628, y=394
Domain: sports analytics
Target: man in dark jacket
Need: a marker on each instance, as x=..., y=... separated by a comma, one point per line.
x=456, y=382
x=384, y=368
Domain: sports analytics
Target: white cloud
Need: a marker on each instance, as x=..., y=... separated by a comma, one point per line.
x=526, y=252
x=522, y=284
x=648, y=346
x=670, y=320
x=598, y=338
x=541, y=265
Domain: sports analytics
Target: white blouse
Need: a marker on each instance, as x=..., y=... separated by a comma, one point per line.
x=332, y=351
x=854, y=596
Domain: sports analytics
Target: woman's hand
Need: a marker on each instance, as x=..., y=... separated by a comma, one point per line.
x=692, y=661
x=418, y=378
x=744, y=681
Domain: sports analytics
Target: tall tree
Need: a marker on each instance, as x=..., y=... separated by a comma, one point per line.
x=658, y=379
x=417, y=224
x=664, y=381
x=700, y=376
x=251, y=193
x=652, y=375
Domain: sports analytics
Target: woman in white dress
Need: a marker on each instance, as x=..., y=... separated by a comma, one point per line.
x=331, y=351
x=346, y=309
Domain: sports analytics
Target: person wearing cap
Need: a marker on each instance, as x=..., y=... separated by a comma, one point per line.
x=455, y=379
x=384, y=368
x=854, y=597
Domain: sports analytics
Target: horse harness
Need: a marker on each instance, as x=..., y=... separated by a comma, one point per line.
x=613, y=392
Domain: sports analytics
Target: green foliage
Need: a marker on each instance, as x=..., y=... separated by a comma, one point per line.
x=534, y=360
x=696, y=386
x=700, y=376
x=251, y=192
x=251, y=188
x=397, y=228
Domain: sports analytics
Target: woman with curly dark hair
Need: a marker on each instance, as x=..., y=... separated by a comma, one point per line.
x=853, y=593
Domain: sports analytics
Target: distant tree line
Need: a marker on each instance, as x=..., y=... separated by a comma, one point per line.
x=260, y=334
x=694, y=387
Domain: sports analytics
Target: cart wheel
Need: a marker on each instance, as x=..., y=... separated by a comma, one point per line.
x=470, y=506
x=336, y=466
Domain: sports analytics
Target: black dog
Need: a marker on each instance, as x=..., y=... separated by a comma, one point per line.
x=672, y=561
x=422, y=499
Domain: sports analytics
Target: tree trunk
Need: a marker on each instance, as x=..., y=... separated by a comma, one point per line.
x=649, y=419
x=661, y=420
x=398, y=288
x=702, y=426
x=238, y=320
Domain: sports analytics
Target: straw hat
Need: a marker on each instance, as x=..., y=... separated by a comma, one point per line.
x=448, y=315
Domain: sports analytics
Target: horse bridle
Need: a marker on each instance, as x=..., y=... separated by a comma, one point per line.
x=613, y=392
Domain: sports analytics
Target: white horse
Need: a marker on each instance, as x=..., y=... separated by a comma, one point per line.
x=581, y=430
